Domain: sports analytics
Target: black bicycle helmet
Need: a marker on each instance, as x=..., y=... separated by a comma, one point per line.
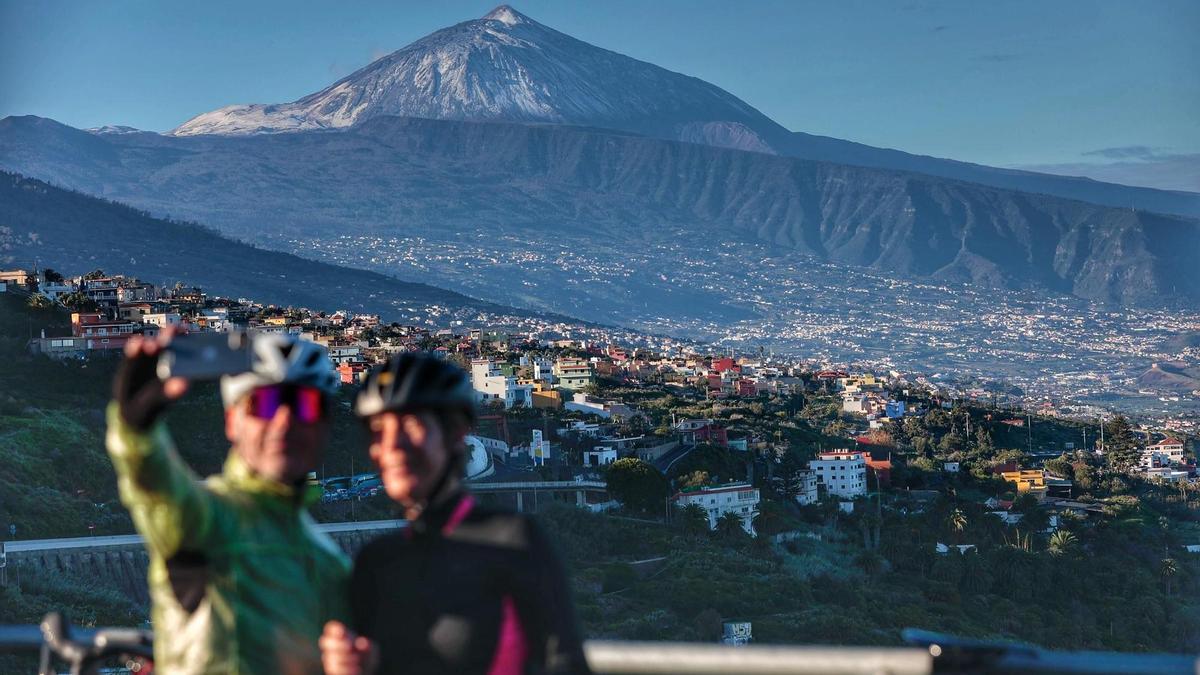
x=416, y=381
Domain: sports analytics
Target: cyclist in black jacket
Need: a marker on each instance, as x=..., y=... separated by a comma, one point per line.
x=463, y=589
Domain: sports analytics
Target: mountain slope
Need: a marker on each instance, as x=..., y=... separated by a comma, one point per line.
x=76, y=233
x=825, y=149
x=417, y=177
x=507, y=67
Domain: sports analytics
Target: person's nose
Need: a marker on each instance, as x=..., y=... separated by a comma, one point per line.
x=283, y=416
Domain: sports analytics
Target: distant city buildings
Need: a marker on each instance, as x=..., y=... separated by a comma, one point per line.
x=739, y=499
x=573, y=373
x=841, y=473
x=492, y=385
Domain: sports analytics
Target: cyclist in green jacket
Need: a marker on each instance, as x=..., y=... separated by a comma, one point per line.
x=241, y=581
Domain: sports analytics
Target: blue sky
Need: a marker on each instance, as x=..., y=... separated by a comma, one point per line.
x=1108, y=89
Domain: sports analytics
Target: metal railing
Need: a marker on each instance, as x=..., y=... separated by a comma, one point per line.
x=931, y=653
x=102, y=541
x=645, y=658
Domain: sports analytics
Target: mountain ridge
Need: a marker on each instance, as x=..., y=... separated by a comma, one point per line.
x=508, y=67
x=419, y=177
x=45, y=222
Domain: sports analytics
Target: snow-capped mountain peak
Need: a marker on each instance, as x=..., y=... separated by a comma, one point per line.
x=114, y=129
x=507, y=16
x=508, y=67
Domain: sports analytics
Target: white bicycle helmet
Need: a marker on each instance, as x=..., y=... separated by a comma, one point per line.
x=281, y=359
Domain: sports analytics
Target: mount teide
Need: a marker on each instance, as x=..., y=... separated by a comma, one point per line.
x=593, y=163
x=508, y=67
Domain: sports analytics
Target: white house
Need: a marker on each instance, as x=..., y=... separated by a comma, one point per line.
x=1167, y=474
x=162, y=320
x=739, y=499
x=944, y=549
x=1008, y=517
x=54, y=289
x=492, y=385
x=543, y=370
x=344, y=353
x=599, y=456
x=856, y=403
x=1167, y=452
x=216, y=322
x=584, y=403
x=842, y=472
x=581, y=428
x=807, y=493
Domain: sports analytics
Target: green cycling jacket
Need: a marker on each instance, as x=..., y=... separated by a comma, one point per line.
x=241, y=581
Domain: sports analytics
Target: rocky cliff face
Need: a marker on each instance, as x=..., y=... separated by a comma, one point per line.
x=420, y=177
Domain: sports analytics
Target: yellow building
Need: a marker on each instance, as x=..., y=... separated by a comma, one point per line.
x=1028, y=480
x=859, y=383
x=543, y=395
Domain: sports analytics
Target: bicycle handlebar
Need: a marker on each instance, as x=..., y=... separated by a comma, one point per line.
x=82, y=649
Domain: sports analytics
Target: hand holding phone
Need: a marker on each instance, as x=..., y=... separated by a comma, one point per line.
x=141, y=396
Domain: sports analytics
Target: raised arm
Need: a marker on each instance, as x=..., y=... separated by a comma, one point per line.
x=170, y=508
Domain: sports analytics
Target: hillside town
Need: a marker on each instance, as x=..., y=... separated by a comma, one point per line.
x=592, y=386
x=804, y=466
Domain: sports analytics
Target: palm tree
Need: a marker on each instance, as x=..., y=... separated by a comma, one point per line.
x=957, y=521
x=1061, y=543
x=729, y=526
x=1018, y=542
x=1168, y=570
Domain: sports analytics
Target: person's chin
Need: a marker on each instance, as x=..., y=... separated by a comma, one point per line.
x=402, y=491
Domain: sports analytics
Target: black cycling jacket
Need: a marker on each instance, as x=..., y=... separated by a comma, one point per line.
x=466, y=589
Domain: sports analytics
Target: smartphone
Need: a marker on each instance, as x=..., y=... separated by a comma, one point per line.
x=205, y=356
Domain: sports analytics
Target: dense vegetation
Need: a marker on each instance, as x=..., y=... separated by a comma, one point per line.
x=1114, y=580
x=1117, y=580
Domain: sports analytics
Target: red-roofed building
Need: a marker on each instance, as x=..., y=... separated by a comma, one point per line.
x=746, y=387
x=1167, y=452
x=692, y=432
x=99, y=332
x=1005, y=468
x=353, y=372
x=878, y=459
x=722, y=365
